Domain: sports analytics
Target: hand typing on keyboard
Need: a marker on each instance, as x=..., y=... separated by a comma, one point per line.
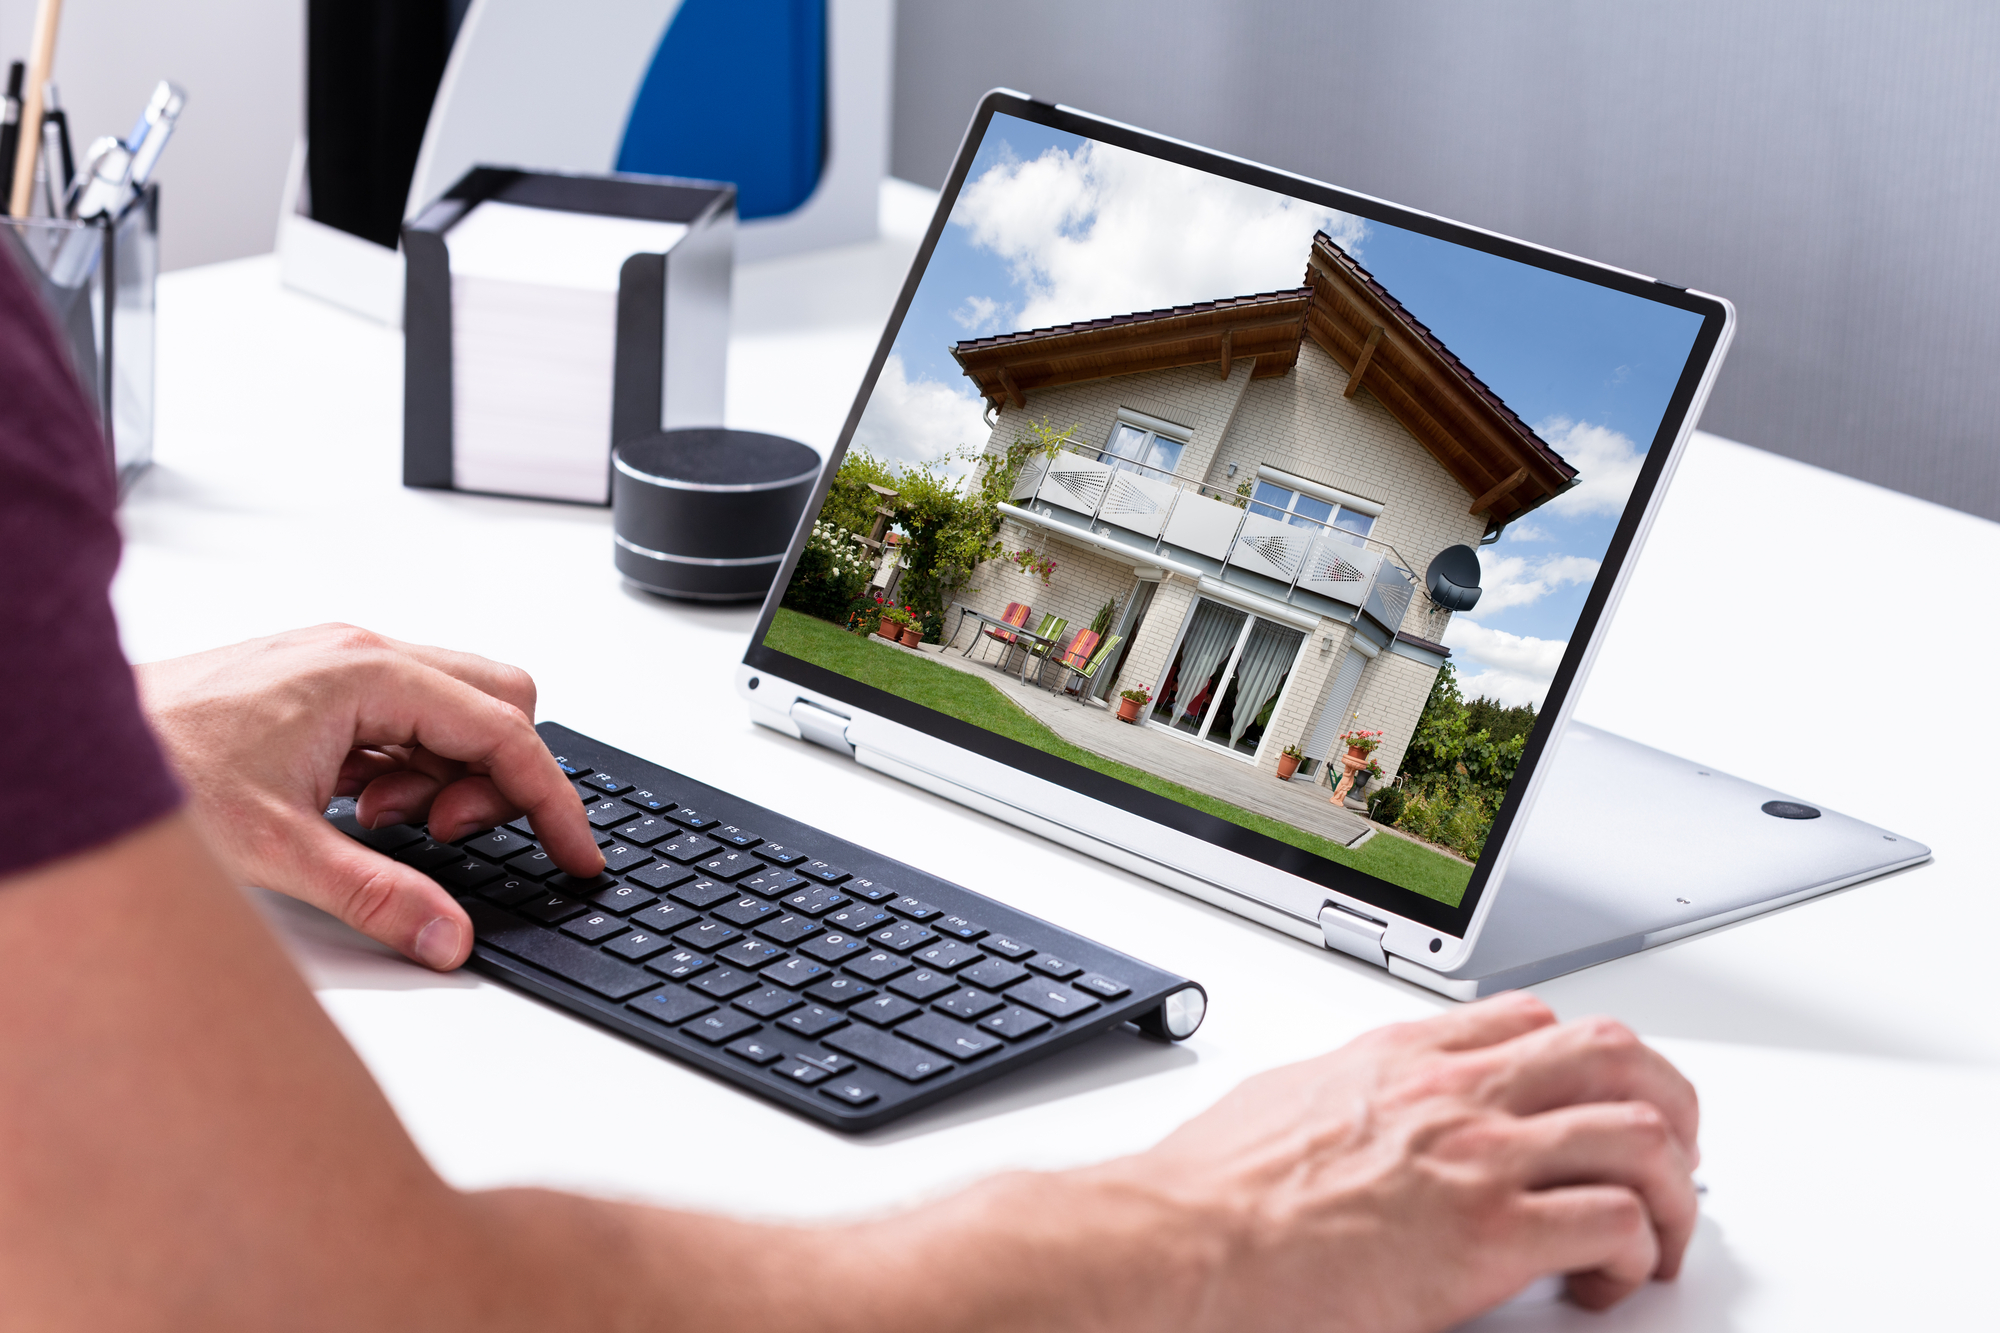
x=265, y=733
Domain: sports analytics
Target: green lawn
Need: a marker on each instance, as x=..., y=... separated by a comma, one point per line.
x=972, y=700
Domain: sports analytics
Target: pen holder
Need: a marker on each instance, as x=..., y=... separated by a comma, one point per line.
x=97, y=280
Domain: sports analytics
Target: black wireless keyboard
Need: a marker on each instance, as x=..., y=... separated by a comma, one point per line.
x=805, y=968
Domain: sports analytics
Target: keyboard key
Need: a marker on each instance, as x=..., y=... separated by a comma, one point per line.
x=724, y=982
x=882, y=1010
x=746, y=911
x=788, y=929
x=607, y=814
x=901, y=937
x=535, y=864
x=957, y=928
x=427, y=854
x=854, y=1094
x=839, y=990
x=497, y=844
x=733, y=836
x=724, y=1025
x=607, y=784
x=821, y=871
x=796, y=972
x=866, y=889
x=701, y=893
x=922, y=984
x=601, y=838
x=948, y=1038
x=672, y=1005
x=915, y=909
x=620, y=857
x=859, y=919
x=1015, y=1023
x=662, y=918
x=594, y=927
x=689, y=847
x=570, y=886
x=639, y=945
x=553, y=908
x=728, y=865
x=750, y=953
x=949, y=956
x=467, y=874
x=755, y=1051
x=1051, y=966
x=808, y=1074
x=993, y=974
x=571, y=767
x=969, y=1004
x=813, y=902
x=510, y=892
x=834, y=948
x=768, y=1002
x=576, y=963
x=651, y=802
x=1007, y=947
x=522, y=826
x=389, y=840
x=813, y=1020
x=1100, y=985
x=774, y=883
x=1058, y=1002
x=645, y=832
x=707, y=936
x=779, y=855
x=693, y=819
x=899, y=1057
x=623, y=898
x=661, y=875
x=680, y=965
x=879, y=966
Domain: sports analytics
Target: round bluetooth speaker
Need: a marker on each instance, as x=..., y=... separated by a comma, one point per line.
x=707, y=513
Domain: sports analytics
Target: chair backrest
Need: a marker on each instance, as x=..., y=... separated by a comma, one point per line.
x=1081, y=647
x=1052, y=630
x=1104, y=652
x=1016, y=613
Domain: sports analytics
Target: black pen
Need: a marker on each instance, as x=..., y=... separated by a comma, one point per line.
x=10, y=126
x=53, y=114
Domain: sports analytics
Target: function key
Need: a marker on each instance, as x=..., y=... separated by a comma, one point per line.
x=623, y=898
x=1100, y=985
x=814, y=902
x=779, y=854
x=572, y=768
x=620, y=857
x=701, y=893
x=1058, y=1002
x=854, y=1094
x=719, y=1027
x=689, y=847
x=824, y=873
x=756, y=1052
x=735, y=836
x=607, y=784
x=1051, y=966
x=606, y=814
x=651, y=802
x=870, y=890
x=594, y=927
x=902, y=938
x=680, y=965
x=672, y=1005
x=639, y=945
x=536, y=864
x=801, y=1071
x=773, y=883
x=645, y=832
x=729, y=865
x=915, y=910
x=879, y=966
x=693, y=819
x=922, y=984
x=949, y=955
x=957, y=927
x=839, y=990
x=1015, y=1023
x=662, y=875
x=497, y=844
x=1007, y=947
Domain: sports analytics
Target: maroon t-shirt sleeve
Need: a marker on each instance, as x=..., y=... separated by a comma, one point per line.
x=68, y=704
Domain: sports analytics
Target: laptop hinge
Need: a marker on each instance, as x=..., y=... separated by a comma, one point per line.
x=1354, y=934
x=820, y=727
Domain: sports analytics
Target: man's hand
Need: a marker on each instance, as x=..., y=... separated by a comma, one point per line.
x=265, y=733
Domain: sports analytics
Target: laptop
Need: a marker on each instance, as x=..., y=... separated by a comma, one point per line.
x=1257, y=536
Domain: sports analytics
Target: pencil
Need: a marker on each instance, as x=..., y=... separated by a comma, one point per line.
x=43, y=55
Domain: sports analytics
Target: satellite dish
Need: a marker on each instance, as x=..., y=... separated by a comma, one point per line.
x=1453, y=578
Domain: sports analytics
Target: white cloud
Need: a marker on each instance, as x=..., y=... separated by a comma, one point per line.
x=1104, y=231
x=1513, y=580
x=920, y=420
x=978, y=314
x=1528, y=532
x=1606, y=463
x=1508, y=667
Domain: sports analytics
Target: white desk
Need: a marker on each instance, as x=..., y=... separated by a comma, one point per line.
x=1787, y=624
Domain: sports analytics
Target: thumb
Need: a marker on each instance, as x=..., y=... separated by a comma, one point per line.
x=383, y=899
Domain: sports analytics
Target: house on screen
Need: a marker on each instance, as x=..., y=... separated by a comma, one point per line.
x=1259, y=483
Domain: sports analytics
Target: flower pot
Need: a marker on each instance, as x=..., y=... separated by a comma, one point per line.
x=1356, y=752
x=912, y=636
x=1288, y=764
x=1128, y=710
x=889, y=629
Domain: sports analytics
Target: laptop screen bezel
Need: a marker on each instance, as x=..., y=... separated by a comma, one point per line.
x=1258, y=847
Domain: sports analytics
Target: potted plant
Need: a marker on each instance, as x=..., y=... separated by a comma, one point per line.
x=1288, y=762
x=913, y=632
x=893, y=620
x=1131, y=701
x=1361, y=744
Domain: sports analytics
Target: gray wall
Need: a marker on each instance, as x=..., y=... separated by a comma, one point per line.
x=1832, y=167
x=242, y=63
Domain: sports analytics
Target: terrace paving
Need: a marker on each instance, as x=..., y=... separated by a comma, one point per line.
x=1152, y=748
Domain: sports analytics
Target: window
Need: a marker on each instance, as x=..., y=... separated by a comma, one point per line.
x=1308, y=511
x=1134, y=445
x=1226, y=677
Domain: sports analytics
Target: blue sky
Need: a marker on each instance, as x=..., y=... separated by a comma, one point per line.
x=1051, y=227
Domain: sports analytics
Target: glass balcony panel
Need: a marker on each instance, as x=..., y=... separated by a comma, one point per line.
x=1337, y=570
x=1270, y=547
x=1031, y=476
x=1075, y=483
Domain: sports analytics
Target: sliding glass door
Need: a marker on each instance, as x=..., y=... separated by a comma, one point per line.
x=1226, y=677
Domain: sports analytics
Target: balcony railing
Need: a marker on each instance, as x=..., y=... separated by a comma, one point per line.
x=1290, y=556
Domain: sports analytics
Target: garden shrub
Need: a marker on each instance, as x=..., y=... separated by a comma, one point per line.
x=1386, y=805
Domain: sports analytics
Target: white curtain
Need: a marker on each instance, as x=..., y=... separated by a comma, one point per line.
x=1210, y=637
x=1261, y=671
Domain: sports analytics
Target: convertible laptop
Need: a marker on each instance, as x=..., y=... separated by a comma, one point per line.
x=1257, y=536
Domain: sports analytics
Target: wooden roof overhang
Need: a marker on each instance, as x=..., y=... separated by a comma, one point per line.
x=1266, y=327
x=1487, y=449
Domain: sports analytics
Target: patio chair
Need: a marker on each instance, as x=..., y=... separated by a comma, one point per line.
x=1077, y=655
x=1088, y=672
x=1015, y=614
x=1050, y=634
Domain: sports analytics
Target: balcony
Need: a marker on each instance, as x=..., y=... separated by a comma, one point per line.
x=1316, y=567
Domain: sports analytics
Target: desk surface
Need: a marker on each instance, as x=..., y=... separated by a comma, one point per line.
x=1850, y=1076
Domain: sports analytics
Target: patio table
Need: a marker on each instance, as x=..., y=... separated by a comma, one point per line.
x=997, y=623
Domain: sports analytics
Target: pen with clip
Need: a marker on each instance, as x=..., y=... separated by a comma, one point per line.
x=10, y=125
x=114, y=171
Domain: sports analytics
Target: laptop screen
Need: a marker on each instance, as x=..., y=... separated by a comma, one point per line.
x=1272, y=513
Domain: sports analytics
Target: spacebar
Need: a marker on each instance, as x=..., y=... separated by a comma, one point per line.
x=552, y=953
